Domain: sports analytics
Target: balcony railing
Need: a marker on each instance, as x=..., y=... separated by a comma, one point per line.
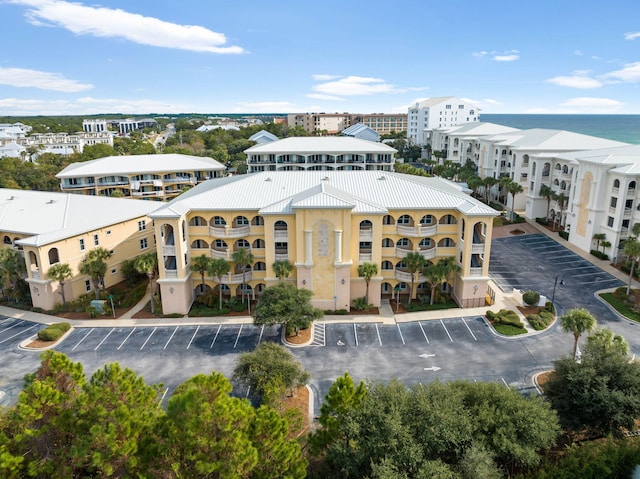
x=420, y=230
x=406, y=277
x=475, y=272
x=428, y=253
x=281, y=256
x=236, y=278
x=477, y=248
x=182, y=179
x=366, y=234
x=402, y=252
x=147, y=193
x=281, y=235
x=170, y=273
x=627, y=211
x=169, y=250
x=220, y=253
x=229, y=232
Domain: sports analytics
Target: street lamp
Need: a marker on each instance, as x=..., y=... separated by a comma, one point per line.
x=555, y=283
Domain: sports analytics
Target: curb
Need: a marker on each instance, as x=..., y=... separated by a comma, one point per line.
x=23, y=345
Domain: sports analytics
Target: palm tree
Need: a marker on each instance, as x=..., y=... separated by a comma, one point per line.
x=60, y=272
x=605, y=342
x=598, y=237
x=474, y=182
x=635, y=230
x=415, y=263
x=218, y=267
x=367, y=271
x=632, y=251
x=488, y=183
x=514, y=188
x=546, y=193
x=605, y=244
x=243, y=258
x=577, y=321
x=95, y=266
x=148, y=264
x=282, y=269
x=440, y=272
x=199, y=264
x=561, y=199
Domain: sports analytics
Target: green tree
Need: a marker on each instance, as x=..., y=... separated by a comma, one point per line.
x=60, y=272
x=561, y=200
x=287, y=305
x=218, y=267
x=440, y=272
x=148, y=264
x=603, y=342
x=95, y=266
x=243, y=258
x=12, y=267
x=269, y=372
x=367, y=271
x=415, y=263
x=599, y=237
x=605, y=244
x=488, y=182
x=546, y=193
x=199, y=264
x=577, y=321
x=632, y=252
x=514, y=188
x=282, y=269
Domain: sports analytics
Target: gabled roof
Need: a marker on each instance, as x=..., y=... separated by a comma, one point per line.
x=357, y=129
x=479, y=128
x=319, y=145
x=551, y=140
x=624, y=160
x=263, y=136
x=436, y=100
x=133, y=164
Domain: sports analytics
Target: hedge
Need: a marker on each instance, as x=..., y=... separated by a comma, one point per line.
x=506, y=316
x=564, y=235
x=599, y=254
x=541, y=321
x=542, y=221
x=53, y=332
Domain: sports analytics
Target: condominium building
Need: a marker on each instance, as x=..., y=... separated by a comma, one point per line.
x=334, y=123
x=157, y=177
x=326, y=223
x=382, y=122
x=51, y=228
x=438, y=112
x=60, y=143
x=320, y=153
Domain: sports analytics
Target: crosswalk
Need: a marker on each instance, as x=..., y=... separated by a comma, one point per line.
x=319, y=334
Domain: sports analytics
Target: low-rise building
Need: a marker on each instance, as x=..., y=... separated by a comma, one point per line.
x=362, y=132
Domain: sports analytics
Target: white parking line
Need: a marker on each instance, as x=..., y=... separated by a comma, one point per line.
x=170, y=338
x=193, y=337
x=104, y=339
x=261, y=332
x=125, y=339
x=505, y=382
x=18, y=334
x=446, y=330
x=378, y=332
x=145, y=343
x=423, y=333
x=162, y=398
x=214, y=338
x=238, y=337
x=13, y=326
x=465, y=323
x=355, y=333
x=85, y=337
x=401, y=336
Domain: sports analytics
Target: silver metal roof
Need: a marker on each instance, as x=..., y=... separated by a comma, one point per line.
x=320, y=145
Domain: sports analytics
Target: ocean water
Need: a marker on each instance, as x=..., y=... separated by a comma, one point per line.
x=614, y=127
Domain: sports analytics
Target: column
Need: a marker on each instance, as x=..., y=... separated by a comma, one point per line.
x=308, y=242
x=338, y=240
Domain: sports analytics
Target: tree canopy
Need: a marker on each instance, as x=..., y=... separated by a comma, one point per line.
x=287, y=305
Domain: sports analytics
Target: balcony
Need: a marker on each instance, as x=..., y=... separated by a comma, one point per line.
x=280, y=235
x=628, y=211
x=475, y=272
x=182, y=179
x=170, y=273
x=428, y=253
x=406, y=277
x=147, y=193
x=365, y=257
x=258, y=252
x=229, y=232
x=477, y=248
x=220, y=253
x=402, y=252
x=236, y=278
x=282, y=256
x=169, y=250
x=420, y=230
x=365, y=234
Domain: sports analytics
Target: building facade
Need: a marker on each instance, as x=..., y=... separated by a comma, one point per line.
x=334, y=123
x=437, y=112
x=320, y=153
x=326, y=224
x=156, y=177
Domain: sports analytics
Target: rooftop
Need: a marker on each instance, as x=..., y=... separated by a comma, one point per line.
x=317, y=145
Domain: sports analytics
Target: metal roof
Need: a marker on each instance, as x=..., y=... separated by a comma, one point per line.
x=320, y=145
x=551, y=140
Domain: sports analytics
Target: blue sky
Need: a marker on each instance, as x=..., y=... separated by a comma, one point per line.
x=210, y=56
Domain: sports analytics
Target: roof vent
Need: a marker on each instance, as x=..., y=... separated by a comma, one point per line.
x=326, y=178
x=382, y=178
x=12, y=198
x=267, y=179
x=50, y=202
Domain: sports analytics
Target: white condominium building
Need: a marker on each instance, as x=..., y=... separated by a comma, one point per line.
x=438, y=112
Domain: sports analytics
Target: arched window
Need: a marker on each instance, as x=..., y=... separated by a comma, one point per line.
x=259, y=244
x=280, y=226
x=404, y=242
x=632, y=185
x=241, y=243
x=556, y=182
x=218, y=221
x=565, y=169
x=405, y=220
x=240, y=221
x=427, y=220
x=401, y=265
x=257, y=221
x=197, y=221
x=199, y=244
x=426, y=243
x=220, y=244
x=260, y=266
x=558, y=167
x=448, y=220
x=387, y=243
x=387, y=265
x=388, y=220
x=7, y=240
x=616, y=183
x=446, y=243
x=366, y=225
x=53, y=256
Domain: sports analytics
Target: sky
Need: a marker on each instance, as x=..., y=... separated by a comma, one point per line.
x=61, y=57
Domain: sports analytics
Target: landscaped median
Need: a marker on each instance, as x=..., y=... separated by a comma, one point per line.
x=47, y=337
x=627, y=305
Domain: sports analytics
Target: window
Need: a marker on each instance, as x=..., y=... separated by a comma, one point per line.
x=616, y=184
x=404, y=220
x=142, y=225
x=625, y=224
x=144, y=243
x=87, y=285
x=610, y=221
x=614, y=202
x=220, y=244
x=241, y=221
x=96, y=240
x=403, y=242
x=81, y=241
x=114, y=271
x=447, y=243
x=387, y=265
x=219, y=221
x=387, y=243
x=388, y=220
x=108, y=232
x=53, y=256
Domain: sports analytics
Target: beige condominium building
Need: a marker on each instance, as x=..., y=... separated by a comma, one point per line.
x=51, y=228
x=334, y=123
x=325, y=223
x=149, y=177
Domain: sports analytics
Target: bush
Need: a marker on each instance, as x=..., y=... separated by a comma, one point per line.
x=336, y=311
x=542, y=221
x=531, y=298
x=360, y=304
x=541, y=321
x=564, y=235
x=53, y=332
x=599, y=254
x=550, y=307
x=506, y=317
x=64, y=327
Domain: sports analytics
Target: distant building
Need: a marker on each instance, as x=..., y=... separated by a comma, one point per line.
x=94, y=126
x=156, y=177
x=438, y=112
x=129, y=125
x=362, y=132
x=61, y=143
x=263, y=136
x=334, y=123
x=382, y=123
x=12, y=150
x=320, y=153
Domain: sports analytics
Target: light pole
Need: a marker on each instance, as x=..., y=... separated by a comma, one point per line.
x=553, y=295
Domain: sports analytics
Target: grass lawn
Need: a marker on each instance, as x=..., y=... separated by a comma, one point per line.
x=622, y=308
x=509, y=329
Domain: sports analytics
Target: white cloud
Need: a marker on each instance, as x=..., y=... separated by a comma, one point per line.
x=630, y=73
x=265, y=107
x=506, y=58
x=481, y=54
x=631, y=36
x=25, y=78
x=324, y=77
x=578, y=52
x=599, y=105
x=578, y=80
x=117, y=23
x=320, y=96
x=354, y=85
x=87, y=106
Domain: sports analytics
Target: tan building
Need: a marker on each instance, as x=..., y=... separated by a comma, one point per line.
x=155, y=177
x=382, y=122
x=51, y=228
x=334, y=123
x=325, y=223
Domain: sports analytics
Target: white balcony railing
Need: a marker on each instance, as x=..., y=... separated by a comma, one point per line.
x=477, y=248
x=420, y=230
x=428, y=253
x=229, y=232
x=365, y=257
x=281, y=235
x=35, y=274
x=402, y=252
x=236, y=278
x=220, y=253
x=475, y=272
x=147, y=193
x=281, y=256
x=170, y=273
x=406, y=277
x=365, y=235
x=169, y=250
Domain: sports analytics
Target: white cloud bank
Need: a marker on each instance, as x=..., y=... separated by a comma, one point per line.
x=87, y=106
x=25, y=78
x=334, y=88
x=577, y=80
x=117, y=23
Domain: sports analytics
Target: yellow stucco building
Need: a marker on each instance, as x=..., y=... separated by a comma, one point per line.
x=325, y=223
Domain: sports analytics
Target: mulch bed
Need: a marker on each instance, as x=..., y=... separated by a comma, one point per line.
x=355, y=312
x=527, y=310
x=304, y=336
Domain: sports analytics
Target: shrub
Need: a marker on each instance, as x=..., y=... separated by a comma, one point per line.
x=599, y=254
x=336, y=311
x=53, y=332
x=505, y=316
x=541, y=321
x=542, y=221
x=64, y=327
x=564, y=235
x=550, y=307
x=93, y=312
x=360, y=304
x=531, y=298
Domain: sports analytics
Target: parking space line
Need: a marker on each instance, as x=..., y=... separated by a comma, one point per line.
x=355, y=333
x=193, y=337
x=125, y=339
x=505, y=382
x=18, y=334
x=378, y=333
x=170, y=338
x=104, y=339
x=401, y=336
x=163, y=396
x=85, y=337
x=471, y=332
x=261, y=332
x=423, y=333
x=147, y=340
x=13, y=326
x=214, y=338
x=446, y=330
x=238, y=337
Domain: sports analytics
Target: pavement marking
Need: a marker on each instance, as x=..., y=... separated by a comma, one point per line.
x=504, y=382
x=18, y=334
x=446, y=330
x=465, y=323
x=261, y=332
x=193, y=337
x=378, y=333
x=401, y=336
x=238, y=337
x=423, y=333
x=13, y=326
x=355, y=333
x=125, y=339
x=163, y=396
x=319, y=332
x=433, y=368
x=214, y=338
x=145, y=343
x=85, y=337
x=170, y=338
x=104, y=339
